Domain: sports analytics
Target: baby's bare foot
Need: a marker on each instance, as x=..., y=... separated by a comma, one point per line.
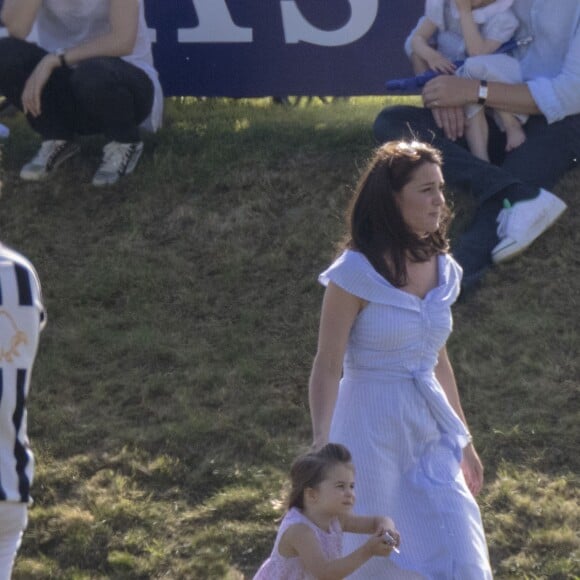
x=515, y=136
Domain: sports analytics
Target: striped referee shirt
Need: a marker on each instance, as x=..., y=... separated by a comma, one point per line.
x=22, y=317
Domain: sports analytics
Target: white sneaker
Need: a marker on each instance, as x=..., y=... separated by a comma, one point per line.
x=51, y=154
x=118, y=159
x=520, y=225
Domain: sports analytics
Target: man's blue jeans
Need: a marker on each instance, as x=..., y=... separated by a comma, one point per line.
x=548, y=152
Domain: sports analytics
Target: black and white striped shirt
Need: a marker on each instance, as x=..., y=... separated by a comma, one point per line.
x=22, y=317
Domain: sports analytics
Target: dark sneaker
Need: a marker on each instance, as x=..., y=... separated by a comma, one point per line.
x=118, y=159
x=50, y=155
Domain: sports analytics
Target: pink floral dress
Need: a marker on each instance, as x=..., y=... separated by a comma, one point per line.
x=277, y=567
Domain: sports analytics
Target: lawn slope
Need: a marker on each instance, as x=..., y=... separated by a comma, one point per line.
x=170, y=391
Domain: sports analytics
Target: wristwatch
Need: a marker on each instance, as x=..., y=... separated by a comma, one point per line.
x=482, y=93
x=61, y=53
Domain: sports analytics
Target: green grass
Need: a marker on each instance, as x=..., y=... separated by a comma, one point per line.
x=170, y=391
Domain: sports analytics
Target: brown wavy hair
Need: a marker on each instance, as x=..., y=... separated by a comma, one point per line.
x=311, y=468
x=375, y=225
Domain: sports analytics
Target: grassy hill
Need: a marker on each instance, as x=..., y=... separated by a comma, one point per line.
x=170, y=391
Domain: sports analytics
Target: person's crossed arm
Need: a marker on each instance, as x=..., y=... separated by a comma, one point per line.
x=446, y=96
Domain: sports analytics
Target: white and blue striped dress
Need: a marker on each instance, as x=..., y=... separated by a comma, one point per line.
x=405, y=438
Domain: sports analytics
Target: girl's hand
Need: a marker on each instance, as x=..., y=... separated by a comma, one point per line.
x=384, y=524
x=395, y=536
x=378, y=545
x=472, y=469
x=387, y=526
x=32, y=93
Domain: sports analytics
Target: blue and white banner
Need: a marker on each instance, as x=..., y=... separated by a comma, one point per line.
x=250, y=48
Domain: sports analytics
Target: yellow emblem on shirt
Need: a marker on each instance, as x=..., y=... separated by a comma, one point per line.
x=11, y=337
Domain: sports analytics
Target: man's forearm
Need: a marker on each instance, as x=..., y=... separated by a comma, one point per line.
x=512, y=98
x=452, y=91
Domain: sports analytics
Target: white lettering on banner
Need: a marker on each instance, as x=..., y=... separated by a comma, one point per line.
x=296, y=28
x=215, y=25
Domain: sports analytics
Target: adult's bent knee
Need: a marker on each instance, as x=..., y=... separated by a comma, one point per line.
x=17, y=53
x=91, y=77
x=18, y=59
x=401, y=122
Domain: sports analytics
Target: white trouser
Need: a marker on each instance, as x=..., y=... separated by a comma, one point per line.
x=13, y=521
x=491, y=67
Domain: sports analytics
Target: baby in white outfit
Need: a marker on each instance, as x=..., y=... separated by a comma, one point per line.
x=470, y=30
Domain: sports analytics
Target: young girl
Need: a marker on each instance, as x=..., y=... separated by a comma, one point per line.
x=459, y=29
x=309, y=541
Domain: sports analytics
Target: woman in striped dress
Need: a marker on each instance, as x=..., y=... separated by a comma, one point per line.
x=384, y=324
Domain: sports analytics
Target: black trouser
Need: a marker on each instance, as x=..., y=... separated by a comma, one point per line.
x=104, y=95
x=549, y=151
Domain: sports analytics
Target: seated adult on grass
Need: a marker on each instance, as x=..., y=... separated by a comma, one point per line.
x=512, y=190
x=90, y=73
